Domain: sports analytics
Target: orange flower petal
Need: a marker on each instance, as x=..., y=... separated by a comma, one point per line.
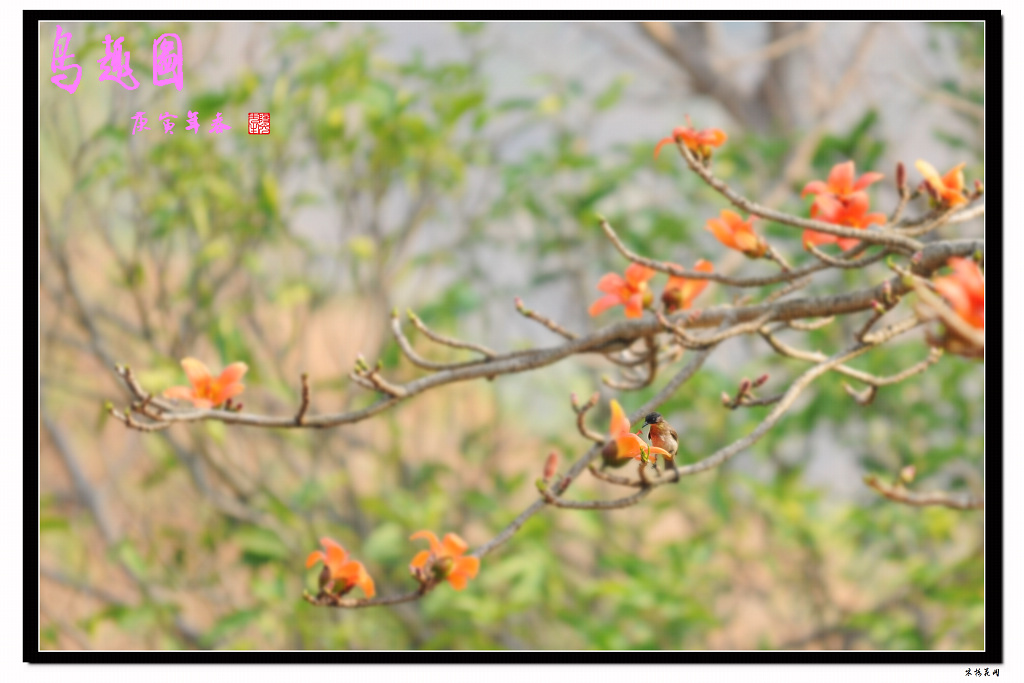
x=747, y=242
x=867, y=179
x=827, y=208
x=662, y=143
x=458, y=581
x=611, y=283
x=420, y=559
x=336, y=557
x=619, y=423
x=969, y=274
x=873, y=219
x=635, y=306
x=365, y=582
x=815, y=238
x=435, y=545
x=203, y=403
x=454, y=545
x=468, y=566
x=689, y=137
x=603, y=304
x=314, y=557
x=232, y=373
x=954, y=293
x=814, y=187
x=722, y=232
x=637, y=274
x=223, y=393
x=840, y=178
x=196, y=371
x=731, y=218
x=178, y=392
x=714, y=137
x=629, y=445
x=928, y=171
x=954, y=179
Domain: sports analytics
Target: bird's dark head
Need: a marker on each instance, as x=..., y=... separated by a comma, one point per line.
x=653, y=418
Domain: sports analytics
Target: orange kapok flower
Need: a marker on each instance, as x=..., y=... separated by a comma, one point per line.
x=736, y=233
x=348, y=573
x=624, y=444
x=631, y=291
x=445, y=559
x=950, y=187
x=841, y=181
x=700, y=141
x=843, y=200
x=206, y=390
x=965, y=291
x=680, y=291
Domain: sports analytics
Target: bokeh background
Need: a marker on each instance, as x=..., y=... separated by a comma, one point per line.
x=447, y=168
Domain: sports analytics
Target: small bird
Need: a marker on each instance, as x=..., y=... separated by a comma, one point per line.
x=663, y=436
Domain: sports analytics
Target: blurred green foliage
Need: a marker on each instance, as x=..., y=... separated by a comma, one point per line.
x=202, y=235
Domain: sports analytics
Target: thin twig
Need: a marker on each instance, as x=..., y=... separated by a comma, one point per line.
x=581, y=413
x=545, y=321
x=449, y=341
x=901, y=495
x=304, y=406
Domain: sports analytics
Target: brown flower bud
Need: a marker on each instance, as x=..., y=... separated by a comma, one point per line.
x=550, y=465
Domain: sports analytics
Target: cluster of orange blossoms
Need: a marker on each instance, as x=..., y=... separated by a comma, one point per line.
x=444, y=561
x=841, y=201
x=633, y=292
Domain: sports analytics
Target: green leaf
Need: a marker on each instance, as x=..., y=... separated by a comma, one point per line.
x=260, y=545
x=228, y=624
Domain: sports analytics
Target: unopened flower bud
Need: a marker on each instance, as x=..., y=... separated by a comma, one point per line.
x=907, y=473
x=726, y=399
x=979, y=187
x=877, y=305
x=744, y=386
x=550, y=465
x=672, y=299
x=932, y=193
x=324, y=578
x=901, y=177
x=761, y=380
